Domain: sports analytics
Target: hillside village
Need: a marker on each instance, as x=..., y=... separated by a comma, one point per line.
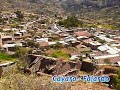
x=56, y=50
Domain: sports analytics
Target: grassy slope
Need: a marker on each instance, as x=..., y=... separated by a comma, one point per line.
x=5, y=57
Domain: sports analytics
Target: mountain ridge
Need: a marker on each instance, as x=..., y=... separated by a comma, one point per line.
x=102, y=11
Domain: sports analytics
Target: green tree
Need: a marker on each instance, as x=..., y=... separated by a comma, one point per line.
x=60, y=54
x=22, y=54
x=58, y=45
x=31, y=43
x=71, y=21
x=108, y=36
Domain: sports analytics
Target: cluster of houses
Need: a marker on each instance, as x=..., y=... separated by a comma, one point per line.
x=92, y=44
x=87, y=48
x=101, y=45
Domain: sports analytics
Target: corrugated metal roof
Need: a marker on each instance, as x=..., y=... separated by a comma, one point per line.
x=109, y=49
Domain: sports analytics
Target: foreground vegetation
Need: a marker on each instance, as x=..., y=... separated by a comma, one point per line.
x=6, y=57
x=14, y=80
x=60, y=54
x=117, y=80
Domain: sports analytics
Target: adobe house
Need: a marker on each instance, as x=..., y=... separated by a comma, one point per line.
x=11, y=46
x=5, y=38
x=87, y=66
x=83, y=48
x=52, y=66
x=94, y=45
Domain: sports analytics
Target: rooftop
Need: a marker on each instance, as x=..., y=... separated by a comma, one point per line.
x=83, y=33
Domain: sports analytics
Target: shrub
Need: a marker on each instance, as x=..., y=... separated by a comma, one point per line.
x=71, y=21
x=60, y=54
x=4, y=56
x=117, y=80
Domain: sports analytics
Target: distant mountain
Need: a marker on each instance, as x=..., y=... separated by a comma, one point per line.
x=102, y=11
x=68, y=5
x=37, y=6
x=89, y=4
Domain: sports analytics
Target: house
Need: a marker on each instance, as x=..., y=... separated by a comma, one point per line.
x=11, y=46
x=70, y=31
x=87, y=65
x=63, y=42
x=52, y=43
x=23, y=32
x=117, y=38
x=62, y=35
x=7, y=29
x=112, y=60
x=82, y=48
x=55, y=29
x=116, y=44
x=17, y=34
x=53, y=66
x=41, y=39
x=43, y=44
x=94, y=45
x=109, y=49
x=103, y=58
x=82, y=37
x=86, y=42
x=103, y=37
x=8, y=15
x=82, y=33
x=75, y=57
x=4, y=37
x=70, y=39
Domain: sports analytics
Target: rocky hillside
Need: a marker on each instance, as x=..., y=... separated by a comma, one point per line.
x=76, y=5
x=102, y=11
x=37, y=6
x=68, y=5
x=99, y=11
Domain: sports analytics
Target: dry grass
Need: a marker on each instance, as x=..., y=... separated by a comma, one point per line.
x=22, y=82
x=14, y=80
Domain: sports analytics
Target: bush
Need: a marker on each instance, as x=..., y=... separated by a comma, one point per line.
x=4, y=56
x=57, y=46
x=18, y=81
x=99, y=40
x=31, y=43
x=71, y=21
x=16, y=25
x=60, y=54
x=22, y=54
x=117, y=80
